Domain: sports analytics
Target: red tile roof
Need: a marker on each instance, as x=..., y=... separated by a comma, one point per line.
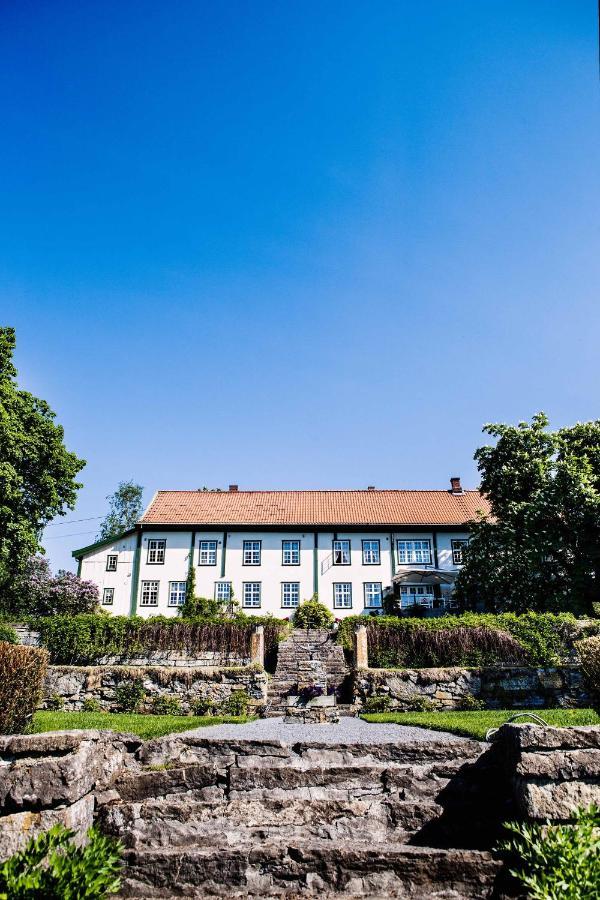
x=313, y=508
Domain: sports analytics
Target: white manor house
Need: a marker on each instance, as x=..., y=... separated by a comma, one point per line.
x=270, y=550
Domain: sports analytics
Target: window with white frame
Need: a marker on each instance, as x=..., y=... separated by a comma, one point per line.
x=149, y=595
x=176, y=593
x=342, y=595
x=207, y=553
x=290, y=594
x=223, y=591
x=111, y=562
x=414, y=552
x=108, y=596
x=156, y=552
x=371, y=553
x=341, y=553
x=457, y=551
x=416, y=595
x=252, y=553
x=373, y=594
x=251, y=594
x=290, y=553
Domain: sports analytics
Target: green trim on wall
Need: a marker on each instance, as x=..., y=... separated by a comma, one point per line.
x=223, y=554
x=104, y=543
x=135, y=574
x=79, y=564
x=392, y=555
x=316, y=564
x=192, y=548
x=435, y=549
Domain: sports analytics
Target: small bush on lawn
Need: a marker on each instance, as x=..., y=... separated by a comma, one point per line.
x=166, y=706
x=558, y=861
x=129, y=694
x=313, y=614
x=8, y=634
x=236, y=704
x=22, y=672
x=51, y=866
x=378, y=703
x=92, y=705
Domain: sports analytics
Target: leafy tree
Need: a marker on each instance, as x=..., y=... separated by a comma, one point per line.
x=540, y=548
x=125, y=510
x=37, y=472
x=36, y=592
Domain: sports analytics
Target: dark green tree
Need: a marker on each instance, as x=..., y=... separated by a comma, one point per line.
x=540, y=548
x=37, y=472
x=125, y=510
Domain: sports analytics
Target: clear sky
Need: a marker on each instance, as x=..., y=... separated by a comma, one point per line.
x=298, y=245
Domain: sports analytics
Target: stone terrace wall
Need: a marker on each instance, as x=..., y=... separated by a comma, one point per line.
x=499, y=687
x=75, y=684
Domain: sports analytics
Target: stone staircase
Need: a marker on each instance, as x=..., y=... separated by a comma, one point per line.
x=307, y=656
x=203, y=817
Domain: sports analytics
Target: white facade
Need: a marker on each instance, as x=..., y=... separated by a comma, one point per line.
x=268, y=571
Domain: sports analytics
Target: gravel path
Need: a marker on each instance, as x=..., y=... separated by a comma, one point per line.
x=347, y=731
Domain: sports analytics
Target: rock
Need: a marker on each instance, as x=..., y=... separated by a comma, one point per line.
x=16, y=829
x=555, y=801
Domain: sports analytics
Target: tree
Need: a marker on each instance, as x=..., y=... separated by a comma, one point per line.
x=36, y=592
x=540, y=548
x=37, y=472
x=125, y=510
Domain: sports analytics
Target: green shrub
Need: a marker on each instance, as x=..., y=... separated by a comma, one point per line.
x=589, y=654
x=8, y=633
x=469, y=703
x=236, y=704
x=546, y=638
x=22, y=673
x=55, y=702
x=202, y=706
x=420, y=703
x=378, y=703
x=129, y=694
x=313, y=614
x=166, y=706
x=92, y=705
x=558, y=862
x=51, y=866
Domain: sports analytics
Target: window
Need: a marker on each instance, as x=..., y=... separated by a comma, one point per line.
x=414, y=552
x=457, y=552
x=156, y=552
x=208, y=553
x=252, y=553
x=176, y=593
x=372, y=591
x=290, y=553
x=342, y=596
x=251, y=596
x=290, y=594
x=108, y=595
x=341, y=553
x=371, y=555
x=149, y=593
x=111, y=562
x=416, y=595
x=223, y=591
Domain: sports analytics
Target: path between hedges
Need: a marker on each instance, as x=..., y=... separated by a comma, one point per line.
x=347, y=731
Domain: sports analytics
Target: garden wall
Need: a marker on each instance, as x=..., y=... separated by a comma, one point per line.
x=76, y=684
x=498, y=687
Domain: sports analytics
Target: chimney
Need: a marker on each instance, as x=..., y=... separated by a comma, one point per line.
x=455, y=487
x=233, y=488
x=371, y=487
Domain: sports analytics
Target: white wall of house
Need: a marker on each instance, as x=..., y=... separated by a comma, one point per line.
x=271, y=573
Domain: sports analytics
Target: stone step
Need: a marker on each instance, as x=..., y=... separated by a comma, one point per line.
x=310, y=868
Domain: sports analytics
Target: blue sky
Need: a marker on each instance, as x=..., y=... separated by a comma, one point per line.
x=298, y=244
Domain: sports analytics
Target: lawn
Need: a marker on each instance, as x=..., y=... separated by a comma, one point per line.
x=476, y=724
x=133, y=723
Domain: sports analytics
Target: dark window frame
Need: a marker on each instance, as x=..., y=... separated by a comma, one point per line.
x=454, y=549
x=176, y=605
x=351, y=595
x=112, y=596
x=149, y=581
x=371, y=541
x=220, y=600
x=281, y=594
x=333, y=552
x=159, y=562
x=252, y=541
x=209, y=541
x=291, y=541
x=244, y=604
x=365, y=583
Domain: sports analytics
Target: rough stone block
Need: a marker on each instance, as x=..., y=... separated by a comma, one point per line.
x=555, y=801
x=16, y=829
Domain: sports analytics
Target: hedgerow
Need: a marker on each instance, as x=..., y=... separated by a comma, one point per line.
x=83, y=639
x=545, y=638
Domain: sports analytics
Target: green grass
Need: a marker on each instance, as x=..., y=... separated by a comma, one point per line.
x=476, y=724
x=133, y=723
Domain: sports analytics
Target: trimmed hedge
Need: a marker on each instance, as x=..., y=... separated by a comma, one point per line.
x=589, y=654
x=83, y=639
x=546, y=638
x=22, y=672
x=420, y=648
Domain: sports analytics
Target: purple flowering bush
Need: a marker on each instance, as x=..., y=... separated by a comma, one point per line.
x=39, y=593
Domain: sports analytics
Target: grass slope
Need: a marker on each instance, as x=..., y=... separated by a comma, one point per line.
x=476, y=724
x=133, y=723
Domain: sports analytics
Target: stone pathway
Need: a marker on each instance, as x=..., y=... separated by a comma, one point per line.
x=347, y=731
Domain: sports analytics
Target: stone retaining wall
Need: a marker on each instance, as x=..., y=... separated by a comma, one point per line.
x=498, y=687
x=75, y=684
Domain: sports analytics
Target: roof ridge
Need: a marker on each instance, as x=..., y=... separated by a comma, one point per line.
x=321, y=491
